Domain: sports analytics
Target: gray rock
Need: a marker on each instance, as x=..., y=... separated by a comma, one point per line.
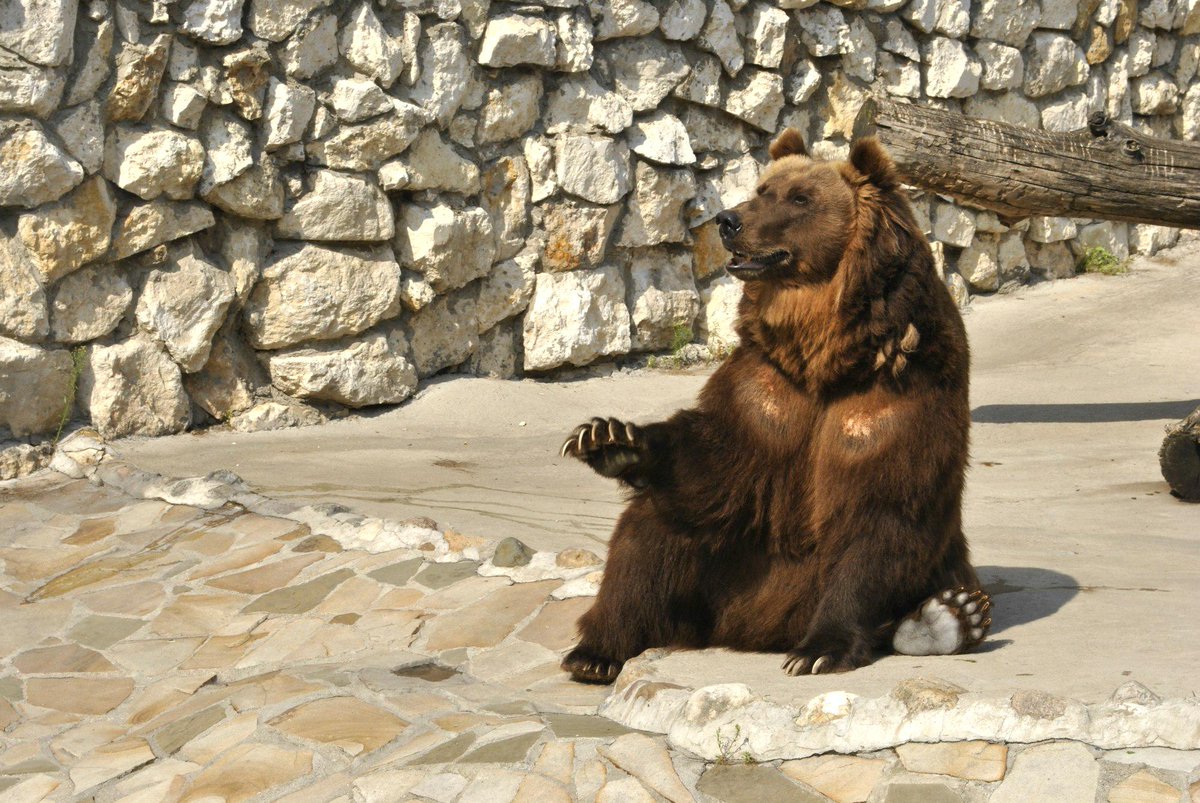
x=539, y=158
x=149, y=225
x=1009, y=22
x=36, y=170
x=1004, y=107
x=953, y=225
x=276, y=415
x=506, y=193
x=313, y=49
x=954, y=18
x=717, y=320
x=1013, y=261
x=243, y=247
x=656, y=211
x=226, y=385
x=370, y=47
x=183, y=305
x=756, y=96
x=22, y=301
x=728, y=186
x=92, y=67
x=1056, y=771
x=511, y=552
x=22, y=459
x=1148, y=239
x=139, y=71
x=576, y=234
x=710, y=130
x=573, y=49
x=1154, y=94
x=356, y=373
x=356, y=99
x=61, y=238
x=39, y=32
x=1054, y=63
x=744, y=783
x=498, y=352
x=340, y=206
x=28, y=89
x=979, y=263
x=619, y=18
x=683, y=19
x=1140, y=46
x=720, y=37
x=1052, y=260
x=900, y=77
x=899, y=40
x=1110, y=235
x=703, y=84
x=256, y=194
x=183, y=105
x=154, y=162
x=217, y=22
x=506, y=290
x=1051, y=229
x=593, y=167
x=510, y=109
x=766, y=35
x=859, y=61
x=921, y=14
x=824, y=31
x=425, y=234
x=229, y=149
x=644, y=71
x=313, y=292
x=89, y=304
x=581, y=104
x=576, y=317
x=133, y=388
x=366, y=146
x=842, y=102
x=1003, y=67
x=289, y=108
x=951, y=71
x=1067, y=112
x=663, y=297
x=431, y=163
x=276, y=20
x=512, y=39
x=34, y=387
x=662, y=138
x=444, y=64
x=444, y=333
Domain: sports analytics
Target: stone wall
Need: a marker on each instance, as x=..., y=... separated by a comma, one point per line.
x=268, y=211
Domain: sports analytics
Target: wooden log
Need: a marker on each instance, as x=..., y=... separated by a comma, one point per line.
x=1107, y=170
x=1179, y=458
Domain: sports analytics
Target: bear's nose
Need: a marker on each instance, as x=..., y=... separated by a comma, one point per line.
x=728, y=224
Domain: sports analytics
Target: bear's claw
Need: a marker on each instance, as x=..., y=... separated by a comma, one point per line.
x=588, y=667
x=609, y=446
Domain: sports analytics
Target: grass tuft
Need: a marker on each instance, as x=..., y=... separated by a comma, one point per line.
x=1099, y=259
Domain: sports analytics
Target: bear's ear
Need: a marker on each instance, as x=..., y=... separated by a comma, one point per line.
x=869, y=158
x=789, y=143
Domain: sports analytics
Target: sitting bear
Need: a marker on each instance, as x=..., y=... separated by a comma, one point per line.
x=811, y=501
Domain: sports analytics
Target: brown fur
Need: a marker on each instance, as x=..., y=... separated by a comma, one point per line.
x=812, y=498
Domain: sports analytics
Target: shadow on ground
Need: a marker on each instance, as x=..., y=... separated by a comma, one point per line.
x=1023, y=594
x=1102, y=413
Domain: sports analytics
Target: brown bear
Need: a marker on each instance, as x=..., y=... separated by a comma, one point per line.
x=811, y=501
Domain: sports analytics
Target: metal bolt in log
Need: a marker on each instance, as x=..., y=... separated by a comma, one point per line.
x=1106, y=170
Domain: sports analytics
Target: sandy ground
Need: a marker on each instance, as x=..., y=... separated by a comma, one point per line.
x=1092, y=563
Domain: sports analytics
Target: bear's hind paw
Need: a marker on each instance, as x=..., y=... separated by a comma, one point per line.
x=588, y=667
x=950, y=622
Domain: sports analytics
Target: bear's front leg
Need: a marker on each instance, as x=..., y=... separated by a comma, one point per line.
x=614, y=449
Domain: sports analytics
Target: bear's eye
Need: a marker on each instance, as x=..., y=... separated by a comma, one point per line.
x=799, y=200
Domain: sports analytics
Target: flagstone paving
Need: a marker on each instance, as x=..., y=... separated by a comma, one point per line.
x=155, y=650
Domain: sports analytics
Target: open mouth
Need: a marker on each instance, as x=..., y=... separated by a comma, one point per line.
x=747, y=263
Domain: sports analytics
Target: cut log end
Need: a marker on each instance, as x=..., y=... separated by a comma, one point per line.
x=1179, y=458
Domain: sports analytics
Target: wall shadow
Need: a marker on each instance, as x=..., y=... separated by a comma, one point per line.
x=1023, y=594
x=1101, y=413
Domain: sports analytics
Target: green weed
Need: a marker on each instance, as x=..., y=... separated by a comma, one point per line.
x=1099, y=259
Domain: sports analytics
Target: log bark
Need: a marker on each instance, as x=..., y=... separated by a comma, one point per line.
x=1179, y=458
x=1107, y=170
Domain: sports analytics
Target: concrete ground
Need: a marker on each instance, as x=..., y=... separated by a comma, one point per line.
x=1093, y=565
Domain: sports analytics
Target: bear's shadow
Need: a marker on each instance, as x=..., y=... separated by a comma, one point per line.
x=1023, y=594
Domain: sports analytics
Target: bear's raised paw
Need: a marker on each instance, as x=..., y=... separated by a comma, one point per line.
x=611, y=447
x=949, y=622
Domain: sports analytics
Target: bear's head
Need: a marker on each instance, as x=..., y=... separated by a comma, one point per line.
x=806, y=216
